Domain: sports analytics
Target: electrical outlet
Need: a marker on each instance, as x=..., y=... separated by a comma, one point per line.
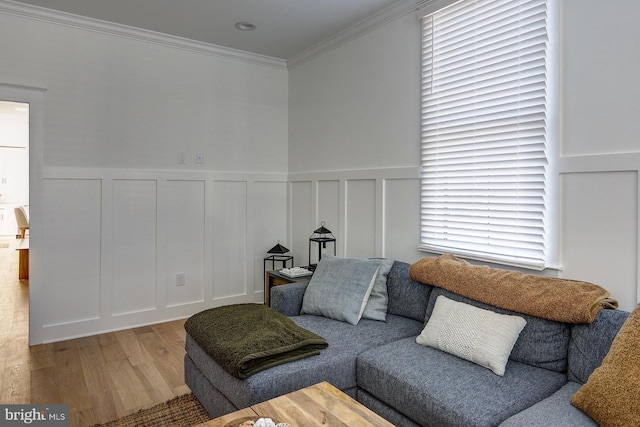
x=199, y=158
x=180, y=280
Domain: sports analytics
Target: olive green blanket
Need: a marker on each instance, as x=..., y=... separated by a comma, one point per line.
x=247, y=338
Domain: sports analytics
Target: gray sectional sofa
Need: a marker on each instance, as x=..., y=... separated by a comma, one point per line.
x=382, y=366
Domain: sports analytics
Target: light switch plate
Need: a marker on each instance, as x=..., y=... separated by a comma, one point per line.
x=180, y=279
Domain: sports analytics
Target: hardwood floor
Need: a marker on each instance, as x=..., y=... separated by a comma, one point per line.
x=101, y=377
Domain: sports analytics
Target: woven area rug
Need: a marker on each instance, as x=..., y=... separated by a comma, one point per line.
x=181, y=411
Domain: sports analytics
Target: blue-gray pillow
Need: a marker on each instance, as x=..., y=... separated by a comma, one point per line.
x=376, y=308
x=339, y=288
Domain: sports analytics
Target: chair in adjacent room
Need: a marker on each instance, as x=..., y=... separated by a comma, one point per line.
x=22, y=218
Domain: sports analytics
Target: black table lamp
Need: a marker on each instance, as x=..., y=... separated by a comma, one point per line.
x=321, y=237
x=278, y=253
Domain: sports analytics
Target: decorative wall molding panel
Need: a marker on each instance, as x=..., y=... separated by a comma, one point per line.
x=369, y=212
x=126, y=248
x=600, y=234
x=366, y=210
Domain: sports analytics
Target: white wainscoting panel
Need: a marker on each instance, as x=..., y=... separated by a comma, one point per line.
x=230, y=239
x=114, y=240
x=185, y=237
x=360, y=228
x=330, y=210
x=402, y=219
x=599, y=231
x=133, y=272
x=268, y=204
x=303, y=219
x=72, y=230
x=371, y=212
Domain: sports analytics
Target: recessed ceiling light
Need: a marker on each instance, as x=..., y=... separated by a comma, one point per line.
x=245, y=26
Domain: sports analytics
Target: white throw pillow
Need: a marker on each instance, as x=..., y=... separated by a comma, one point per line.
x=472, y=333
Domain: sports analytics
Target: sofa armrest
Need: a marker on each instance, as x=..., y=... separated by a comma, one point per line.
x=287, y=299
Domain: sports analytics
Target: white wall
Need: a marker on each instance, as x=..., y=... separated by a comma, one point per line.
x=600, y=147
x=354, y=144
x=114, y=216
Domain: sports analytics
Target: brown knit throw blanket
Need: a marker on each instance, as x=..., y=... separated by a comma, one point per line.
x=563, y=300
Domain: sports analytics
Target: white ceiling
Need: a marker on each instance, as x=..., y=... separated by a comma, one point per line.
x=284, y=27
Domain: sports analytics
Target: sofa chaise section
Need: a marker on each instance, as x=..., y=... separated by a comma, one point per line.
x=336, y=364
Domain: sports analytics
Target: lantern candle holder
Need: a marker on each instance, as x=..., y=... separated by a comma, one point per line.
x=321, y=237
x=278, y=253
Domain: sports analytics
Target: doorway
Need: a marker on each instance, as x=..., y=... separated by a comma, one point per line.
x=32, y=97
x=14, y=216
x=14, y=165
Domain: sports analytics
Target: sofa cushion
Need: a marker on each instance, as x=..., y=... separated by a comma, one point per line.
x=376, y=308
x=542, y=343
x=384, y=410
x=335, y=364
x=475, y=334
x=436, y=388
x=407, y=297
x=590, y=343
x=340, y=288
x=611, y=395
x=287, y=299
x=556, y=410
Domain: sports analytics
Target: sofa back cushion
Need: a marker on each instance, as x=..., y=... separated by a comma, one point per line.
x=407, y=297
x=340, y=288
x=542, y=343
x=591, y=342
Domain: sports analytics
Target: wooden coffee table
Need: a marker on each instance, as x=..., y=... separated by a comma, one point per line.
x=319, y=405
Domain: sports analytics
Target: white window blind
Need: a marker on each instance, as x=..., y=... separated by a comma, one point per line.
x=483, y=130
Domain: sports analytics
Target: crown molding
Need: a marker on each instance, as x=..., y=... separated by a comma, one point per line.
x=361, y=28
x=22, y=87
x=37, y=13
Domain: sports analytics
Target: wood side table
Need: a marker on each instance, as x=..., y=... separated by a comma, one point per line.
x=273, y=278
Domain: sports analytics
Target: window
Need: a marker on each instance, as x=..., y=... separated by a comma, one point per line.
x=484, y=131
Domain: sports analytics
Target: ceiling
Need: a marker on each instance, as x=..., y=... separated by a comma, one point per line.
x=284, y=27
